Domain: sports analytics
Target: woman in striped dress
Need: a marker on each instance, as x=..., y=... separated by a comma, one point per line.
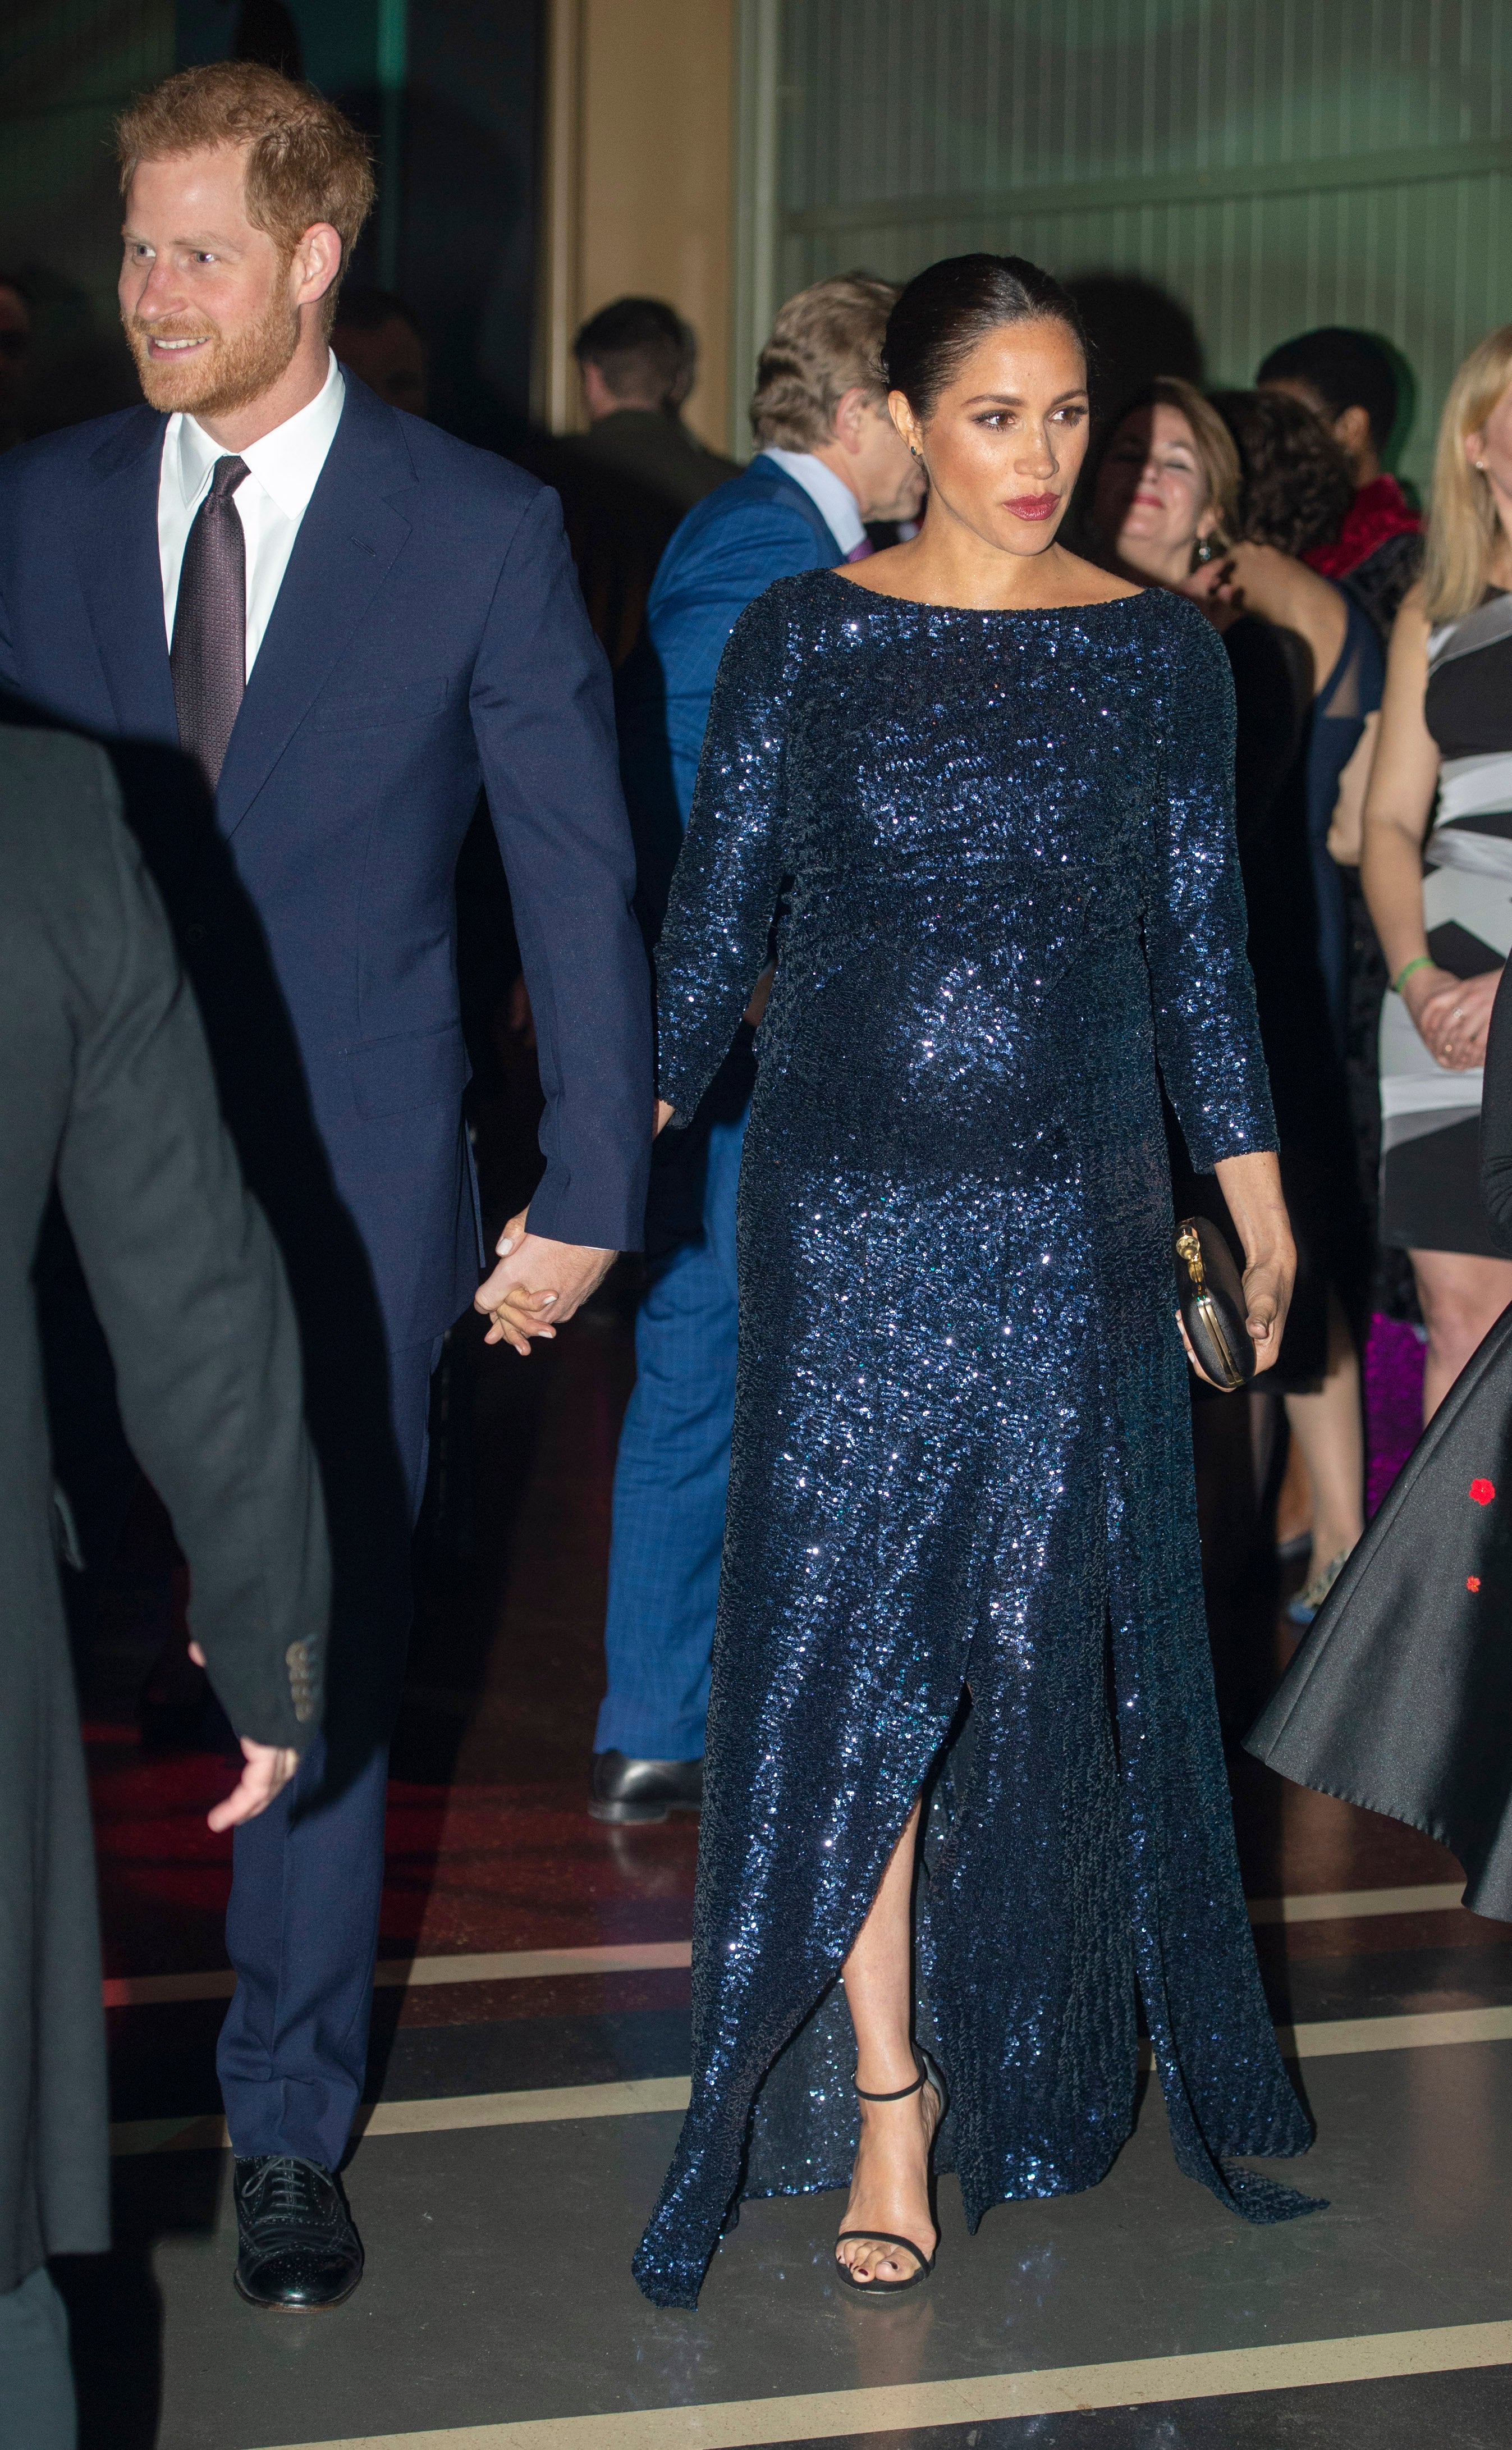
x=1443, y=768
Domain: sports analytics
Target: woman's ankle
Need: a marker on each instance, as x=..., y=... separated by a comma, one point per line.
x=885, y=2068
x=1331, y=1540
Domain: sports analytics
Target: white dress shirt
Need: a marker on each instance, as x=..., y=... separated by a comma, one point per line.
x=837, y=505
x=271, y=500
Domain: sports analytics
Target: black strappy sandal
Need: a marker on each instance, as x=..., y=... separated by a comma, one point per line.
x=930, y=2075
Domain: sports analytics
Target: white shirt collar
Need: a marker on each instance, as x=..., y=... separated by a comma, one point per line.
x=286, y=462
x=830, y=493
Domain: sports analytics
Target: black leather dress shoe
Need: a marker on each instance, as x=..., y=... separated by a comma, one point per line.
x=627, y=1789
x=297, y=2250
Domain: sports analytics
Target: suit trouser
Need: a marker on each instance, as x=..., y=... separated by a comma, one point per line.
x=36, y=2380
x=669, y=1485
x=302, y=1928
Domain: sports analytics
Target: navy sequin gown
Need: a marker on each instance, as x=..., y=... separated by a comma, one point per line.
x=1002, y=844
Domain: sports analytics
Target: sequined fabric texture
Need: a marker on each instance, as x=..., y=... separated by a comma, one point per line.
x=1003, y=848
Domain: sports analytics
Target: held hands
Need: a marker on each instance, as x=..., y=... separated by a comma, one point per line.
x=1451, y=1015
x=269, y=1768
x=538, y=1285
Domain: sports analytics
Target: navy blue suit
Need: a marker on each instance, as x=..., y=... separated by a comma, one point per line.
x=429, y=635
x=673, y=1463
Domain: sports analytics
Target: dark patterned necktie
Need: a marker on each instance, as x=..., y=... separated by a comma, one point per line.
x=208, y=654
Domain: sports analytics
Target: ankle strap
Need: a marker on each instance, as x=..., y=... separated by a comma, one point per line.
x=903, y=2092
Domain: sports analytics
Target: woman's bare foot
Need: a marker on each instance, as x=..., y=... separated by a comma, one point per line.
x=889, y=2185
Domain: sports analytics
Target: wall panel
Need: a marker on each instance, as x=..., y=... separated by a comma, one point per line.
x=1271, y=162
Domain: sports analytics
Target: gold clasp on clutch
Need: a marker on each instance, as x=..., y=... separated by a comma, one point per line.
x=1190, y=1250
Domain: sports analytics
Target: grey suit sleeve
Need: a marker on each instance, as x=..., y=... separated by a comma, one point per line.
x=192, y=1296
x=543, y=717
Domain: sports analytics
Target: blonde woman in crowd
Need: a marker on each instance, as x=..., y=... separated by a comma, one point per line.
x=1442, y=771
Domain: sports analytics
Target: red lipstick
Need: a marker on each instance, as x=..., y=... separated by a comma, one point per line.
x=1033, y=506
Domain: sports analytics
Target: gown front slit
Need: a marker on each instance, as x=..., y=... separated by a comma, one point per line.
x=998, y=850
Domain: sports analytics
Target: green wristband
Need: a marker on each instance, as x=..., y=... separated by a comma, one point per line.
x=1423, y=961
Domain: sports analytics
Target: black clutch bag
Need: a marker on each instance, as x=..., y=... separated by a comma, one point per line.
x=1210, y=1293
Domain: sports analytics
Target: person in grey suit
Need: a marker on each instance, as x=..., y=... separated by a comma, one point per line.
x=106, y=1098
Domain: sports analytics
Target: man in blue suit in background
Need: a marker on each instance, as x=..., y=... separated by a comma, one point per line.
x=271, y=587
x=828, y=460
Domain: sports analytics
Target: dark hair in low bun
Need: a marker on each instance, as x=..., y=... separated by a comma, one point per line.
x=946, y=309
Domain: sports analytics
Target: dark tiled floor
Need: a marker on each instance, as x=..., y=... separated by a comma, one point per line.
x=498, y=2285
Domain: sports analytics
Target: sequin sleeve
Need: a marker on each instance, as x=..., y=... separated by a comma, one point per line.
x=725, y=887
x=1206, y=1031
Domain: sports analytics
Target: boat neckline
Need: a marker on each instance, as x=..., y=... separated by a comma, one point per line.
x=991, y=612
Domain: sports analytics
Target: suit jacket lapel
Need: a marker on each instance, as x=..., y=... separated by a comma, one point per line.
x=116, y=547
x=348, y=542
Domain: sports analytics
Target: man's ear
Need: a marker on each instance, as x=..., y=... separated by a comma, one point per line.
x=317, y=262
x=850, y=412
x=1351, y=428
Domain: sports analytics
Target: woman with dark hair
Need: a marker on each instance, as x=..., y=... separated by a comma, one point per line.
x=989, y=787
x=1296, y=487
x=1295, y=490
x=1227, y=537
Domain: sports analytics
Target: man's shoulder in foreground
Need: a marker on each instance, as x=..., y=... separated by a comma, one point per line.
x=37, y=762
x=59, y=820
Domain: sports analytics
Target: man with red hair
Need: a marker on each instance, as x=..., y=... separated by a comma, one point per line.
x=336, y=621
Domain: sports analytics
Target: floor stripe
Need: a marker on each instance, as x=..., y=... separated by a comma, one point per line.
x=414, y=1973
x=1341, y=2036
x=1342, y=1905
x=826, y=2415
x=539, y=1964
x=1339, y=2039
x=446, y=2116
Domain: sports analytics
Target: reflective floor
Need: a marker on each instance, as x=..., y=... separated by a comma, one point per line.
x=529, y=2056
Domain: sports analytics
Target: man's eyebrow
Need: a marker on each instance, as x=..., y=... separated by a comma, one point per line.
x=189, y=238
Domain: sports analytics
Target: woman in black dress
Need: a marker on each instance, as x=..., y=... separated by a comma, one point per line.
x=989, y=788
x=1172, y=494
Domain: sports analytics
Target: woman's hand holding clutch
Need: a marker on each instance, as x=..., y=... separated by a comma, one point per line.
x=1252, y=1188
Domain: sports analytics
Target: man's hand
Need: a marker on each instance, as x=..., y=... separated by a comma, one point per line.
x=538, y=1285
x=269, y=1768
